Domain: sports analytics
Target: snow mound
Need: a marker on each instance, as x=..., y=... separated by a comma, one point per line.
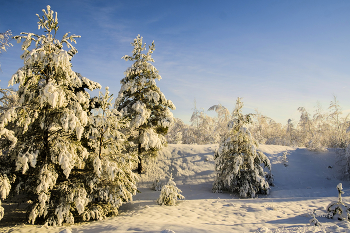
x=167, y=231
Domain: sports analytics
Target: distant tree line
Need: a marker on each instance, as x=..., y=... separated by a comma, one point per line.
x=316, y=131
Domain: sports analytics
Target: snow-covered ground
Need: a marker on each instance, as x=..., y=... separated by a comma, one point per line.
x=305, y=182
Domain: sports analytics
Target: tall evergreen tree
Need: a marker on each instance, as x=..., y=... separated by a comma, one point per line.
x=49, y=141
x=237, y=161
x=141, y=101
x=112, y=181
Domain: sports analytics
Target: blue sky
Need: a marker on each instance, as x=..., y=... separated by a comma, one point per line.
x=276, y=55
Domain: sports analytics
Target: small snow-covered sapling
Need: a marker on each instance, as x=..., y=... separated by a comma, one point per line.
x=338, y=210
x=314, y=221
x=285, y=159
x=169, y=193
x=157, y=185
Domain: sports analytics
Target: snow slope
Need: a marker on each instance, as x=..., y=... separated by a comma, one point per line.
x=305, y=182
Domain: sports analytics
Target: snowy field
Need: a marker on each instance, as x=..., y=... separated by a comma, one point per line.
x=305, y=182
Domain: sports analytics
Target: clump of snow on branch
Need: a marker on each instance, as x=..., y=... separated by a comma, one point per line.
x=28, y=157
x=150, y=139
x=5, y=187
x=142, y=114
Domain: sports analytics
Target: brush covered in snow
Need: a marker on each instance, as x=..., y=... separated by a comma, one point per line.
x=339, y=210
x=169, y=193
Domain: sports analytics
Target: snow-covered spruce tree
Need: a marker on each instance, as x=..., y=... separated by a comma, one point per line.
x=48, y=156
x=141, y=101
x=112, y=180
x=169, y=193
x=237, y=161
x=44, y=145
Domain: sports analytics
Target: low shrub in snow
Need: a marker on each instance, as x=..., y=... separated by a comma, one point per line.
x=169, y=193
x=157, y=185
x=285, y=159
x=339, y=210
x=314, y=221
x=316, y=145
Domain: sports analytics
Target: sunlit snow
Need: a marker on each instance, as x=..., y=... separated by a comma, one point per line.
x=307, y=184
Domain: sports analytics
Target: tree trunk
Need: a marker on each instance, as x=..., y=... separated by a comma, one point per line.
x=46, y=138
x=100, y=149
x=139, y=167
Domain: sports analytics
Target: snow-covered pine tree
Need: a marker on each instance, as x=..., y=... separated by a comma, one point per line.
x=44, y=147
x=112, y=181
x=141, y=101
x=169, y=193
x=47, y=156
x=237, y=161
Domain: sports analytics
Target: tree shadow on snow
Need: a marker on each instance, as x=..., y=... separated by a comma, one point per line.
x=300, y=219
